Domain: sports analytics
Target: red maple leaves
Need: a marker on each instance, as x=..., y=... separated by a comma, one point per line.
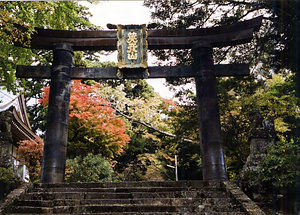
x=93, y=125
x=31, y=154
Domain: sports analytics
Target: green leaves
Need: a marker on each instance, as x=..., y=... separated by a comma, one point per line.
x=278, y=99
x=17, y=23
x=91, y=168
x=280, y=168
x=8, y=181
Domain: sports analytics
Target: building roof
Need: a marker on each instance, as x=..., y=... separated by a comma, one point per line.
x=21, y=129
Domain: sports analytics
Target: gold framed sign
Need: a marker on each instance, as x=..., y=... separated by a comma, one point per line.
x=132, y=46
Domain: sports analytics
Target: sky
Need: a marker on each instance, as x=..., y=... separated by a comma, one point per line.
x=125, y=12
x=118, y=12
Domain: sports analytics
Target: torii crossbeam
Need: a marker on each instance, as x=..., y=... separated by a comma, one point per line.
x=201, y=41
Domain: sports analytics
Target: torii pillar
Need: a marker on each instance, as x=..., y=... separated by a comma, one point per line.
x=56, y=137
x=213, y=162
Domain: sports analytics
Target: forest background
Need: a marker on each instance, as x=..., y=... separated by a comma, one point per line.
x=126, y=130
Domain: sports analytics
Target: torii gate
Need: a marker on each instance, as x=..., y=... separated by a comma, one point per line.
x=201, y=41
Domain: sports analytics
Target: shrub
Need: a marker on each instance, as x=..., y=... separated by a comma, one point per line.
x=8, y=181
x=280, y=168
x=92, y=168
x=277, y=176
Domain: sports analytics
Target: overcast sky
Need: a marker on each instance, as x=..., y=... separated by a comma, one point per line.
x=118, y=12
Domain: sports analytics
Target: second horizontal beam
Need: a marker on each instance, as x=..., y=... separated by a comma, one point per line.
x=111, y=72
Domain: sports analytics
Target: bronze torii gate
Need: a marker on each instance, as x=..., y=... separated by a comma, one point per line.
x=201, y=41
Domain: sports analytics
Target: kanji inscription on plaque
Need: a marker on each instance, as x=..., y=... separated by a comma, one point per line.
x=132, y=46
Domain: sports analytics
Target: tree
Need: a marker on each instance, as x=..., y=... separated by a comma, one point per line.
x=138, y=89
x=278, y=100
x=37, y=115
x=274, y=97
x=31, y=154
x=185, y=125
x=93, y=125
x=18, y=22
x=96, y=112
x=149, y=124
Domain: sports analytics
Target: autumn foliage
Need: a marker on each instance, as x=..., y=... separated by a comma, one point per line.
x=93, y=126
x=31, y=154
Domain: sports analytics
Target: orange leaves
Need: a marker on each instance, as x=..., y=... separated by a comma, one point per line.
x=86, y=103
x=44, y=101
x=31, y=154
x=167, y=104
x=92, y=122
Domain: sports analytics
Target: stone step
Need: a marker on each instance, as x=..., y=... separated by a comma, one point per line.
x=147, y=213
x=96, y=195
x=197, y=184
x=115, y=209
x=26, y=210
x=156, y=201
x=75, y=195
x=117, y=189
x=126, y=208
x=109, y=198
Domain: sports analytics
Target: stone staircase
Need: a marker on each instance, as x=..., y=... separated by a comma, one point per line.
x=183, y=197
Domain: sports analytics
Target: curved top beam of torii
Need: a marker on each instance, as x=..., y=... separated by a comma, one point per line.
x=233, y=34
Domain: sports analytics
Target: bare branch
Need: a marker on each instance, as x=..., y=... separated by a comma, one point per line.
x=148, y=125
